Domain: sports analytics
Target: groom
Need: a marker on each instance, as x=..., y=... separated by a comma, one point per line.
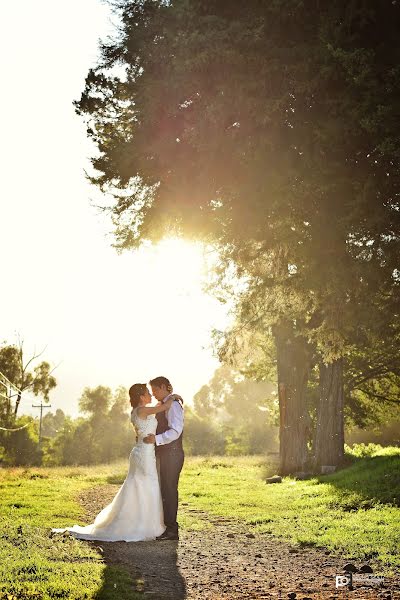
x=169, y=451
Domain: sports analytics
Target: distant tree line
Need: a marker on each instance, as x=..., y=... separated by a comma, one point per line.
x=231, y=415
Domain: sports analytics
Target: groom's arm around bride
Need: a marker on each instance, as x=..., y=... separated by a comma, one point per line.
x=169, y=450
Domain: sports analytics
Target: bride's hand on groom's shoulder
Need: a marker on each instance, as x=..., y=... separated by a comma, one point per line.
x=175, y=397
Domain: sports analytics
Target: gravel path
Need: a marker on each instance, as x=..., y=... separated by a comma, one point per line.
x=227, y=562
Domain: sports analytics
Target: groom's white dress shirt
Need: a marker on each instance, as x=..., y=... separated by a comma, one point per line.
x=175, y=423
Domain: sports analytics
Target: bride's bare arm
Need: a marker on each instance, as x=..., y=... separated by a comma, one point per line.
x=143, y=411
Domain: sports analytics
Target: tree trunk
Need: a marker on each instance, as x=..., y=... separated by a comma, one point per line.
x=329, y=433
x=293, y=367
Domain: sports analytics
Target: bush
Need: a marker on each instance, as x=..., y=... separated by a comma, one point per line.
x=362, y=450
x=21, y=447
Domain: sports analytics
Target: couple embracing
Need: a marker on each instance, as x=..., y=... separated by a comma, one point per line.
x=145, y=506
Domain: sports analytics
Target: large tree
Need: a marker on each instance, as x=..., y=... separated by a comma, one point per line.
x=269, y=129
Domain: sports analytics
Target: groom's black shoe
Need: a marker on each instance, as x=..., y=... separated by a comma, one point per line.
x=168, y=535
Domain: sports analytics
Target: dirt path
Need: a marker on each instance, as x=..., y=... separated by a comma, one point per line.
x=228, y=562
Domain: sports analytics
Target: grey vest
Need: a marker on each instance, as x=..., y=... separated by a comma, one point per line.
x=162, y=426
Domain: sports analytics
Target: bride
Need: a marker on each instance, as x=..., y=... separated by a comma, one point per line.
x=136, y=513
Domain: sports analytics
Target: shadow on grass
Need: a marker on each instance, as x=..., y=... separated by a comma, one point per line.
x=136, y=570
x=375, y=479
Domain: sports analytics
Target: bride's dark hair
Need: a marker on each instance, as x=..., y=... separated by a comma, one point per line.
x=135, y=391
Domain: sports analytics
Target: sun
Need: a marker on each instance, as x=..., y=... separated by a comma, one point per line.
x=179, y=264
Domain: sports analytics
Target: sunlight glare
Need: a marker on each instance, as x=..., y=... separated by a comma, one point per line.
x=178, y=264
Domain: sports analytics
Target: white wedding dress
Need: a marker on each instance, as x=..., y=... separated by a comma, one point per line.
x=136, y=512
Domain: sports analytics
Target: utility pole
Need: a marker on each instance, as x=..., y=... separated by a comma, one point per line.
x=41, y=406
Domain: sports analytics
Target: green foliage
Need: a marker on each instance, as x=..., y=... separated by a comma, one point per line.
x=386, y=435
x=9, y=362
x=266, y=133
x=233, y=415
x=202, y=436
x=256, y=437
x=51, y=423
x=43, y=382
x=95, y=401
x=21, y=447
x=14, y=366
x=230, y=394
x=104, y=436
x=363, y=450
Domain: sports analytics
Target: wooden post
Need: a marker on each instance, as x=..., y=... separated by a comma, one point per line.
x=41, y=406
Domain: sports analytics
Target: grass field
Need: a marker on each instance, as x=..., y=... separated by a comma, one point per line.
x=353, y=511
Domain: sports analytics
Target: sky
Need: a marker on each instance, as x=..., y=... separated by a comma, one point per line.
x=102, y=318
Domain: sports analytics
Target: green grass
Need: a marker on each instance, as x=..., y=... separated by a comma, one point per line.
x=34, y=565
x=354, y=511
